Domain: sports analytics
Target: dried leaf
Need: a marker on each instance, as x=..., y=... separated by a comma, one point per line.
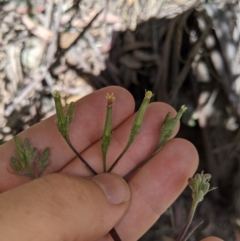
x=66, y=39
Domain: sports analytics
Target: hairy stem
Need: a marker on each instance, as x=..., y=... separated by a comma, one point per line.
x=182, y=234
x=135, y=130
x=191, y=231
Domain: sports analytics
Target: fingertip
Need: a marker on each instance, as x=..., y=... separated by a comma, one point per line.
x=185, y=155
x=178, y=159
x=166, y=174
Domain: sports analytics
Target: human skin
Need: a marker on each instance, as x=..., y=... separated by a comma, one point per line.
x=66, y=203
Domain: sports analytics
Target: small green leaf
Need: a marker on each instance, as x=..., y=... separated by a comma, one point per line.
x=167, y=118
x=30, y=151
x=43, y=160
x=20, y=150
x=15, y=164
x=207, y=177
x=26, y=164
x=45, y=154
x=63, y=120
x=205, y=188
x=69, y=115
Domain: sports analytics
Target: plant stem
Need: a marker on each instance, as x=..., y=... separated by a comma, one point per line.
x=167, y=129
x=107, y=131
x=129, y=174
x=119, y=157
x=191, y=231
x=114, y=235
x=135, y=130
x=80, y=157
x=188, y=222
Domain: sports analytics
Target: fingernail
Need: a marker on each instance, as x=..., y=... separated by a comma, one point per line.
x=114, y=187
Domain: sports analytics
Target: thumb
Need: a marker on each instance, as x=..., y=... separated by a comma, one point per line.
x=62, y=207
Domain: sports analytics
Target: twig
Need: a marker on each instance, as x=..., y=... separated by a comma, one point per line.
x=27, y=90
x=81, y=34
x=47, y=24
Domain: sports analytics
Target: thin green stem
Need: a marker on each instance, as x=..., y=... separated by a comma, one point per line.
x=107, y=133
x=182, y=234
x=63, y=122
x=167, y=128
x=135, y=130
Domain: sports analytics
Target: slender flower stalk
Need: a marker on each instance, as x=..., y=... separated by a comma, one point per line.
x=63, y=123
x=136, y=126
x=200, y=187
x=107, y=130
x=192, y=231
x=189, y=220
x=166, y=131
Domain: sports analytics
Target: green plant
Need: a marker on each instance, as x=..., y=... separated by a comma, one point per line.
x=27, y=163
x=200, y=186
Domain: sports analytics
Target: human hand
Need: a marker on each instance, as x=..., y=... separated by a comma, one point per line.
x=67, y=206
